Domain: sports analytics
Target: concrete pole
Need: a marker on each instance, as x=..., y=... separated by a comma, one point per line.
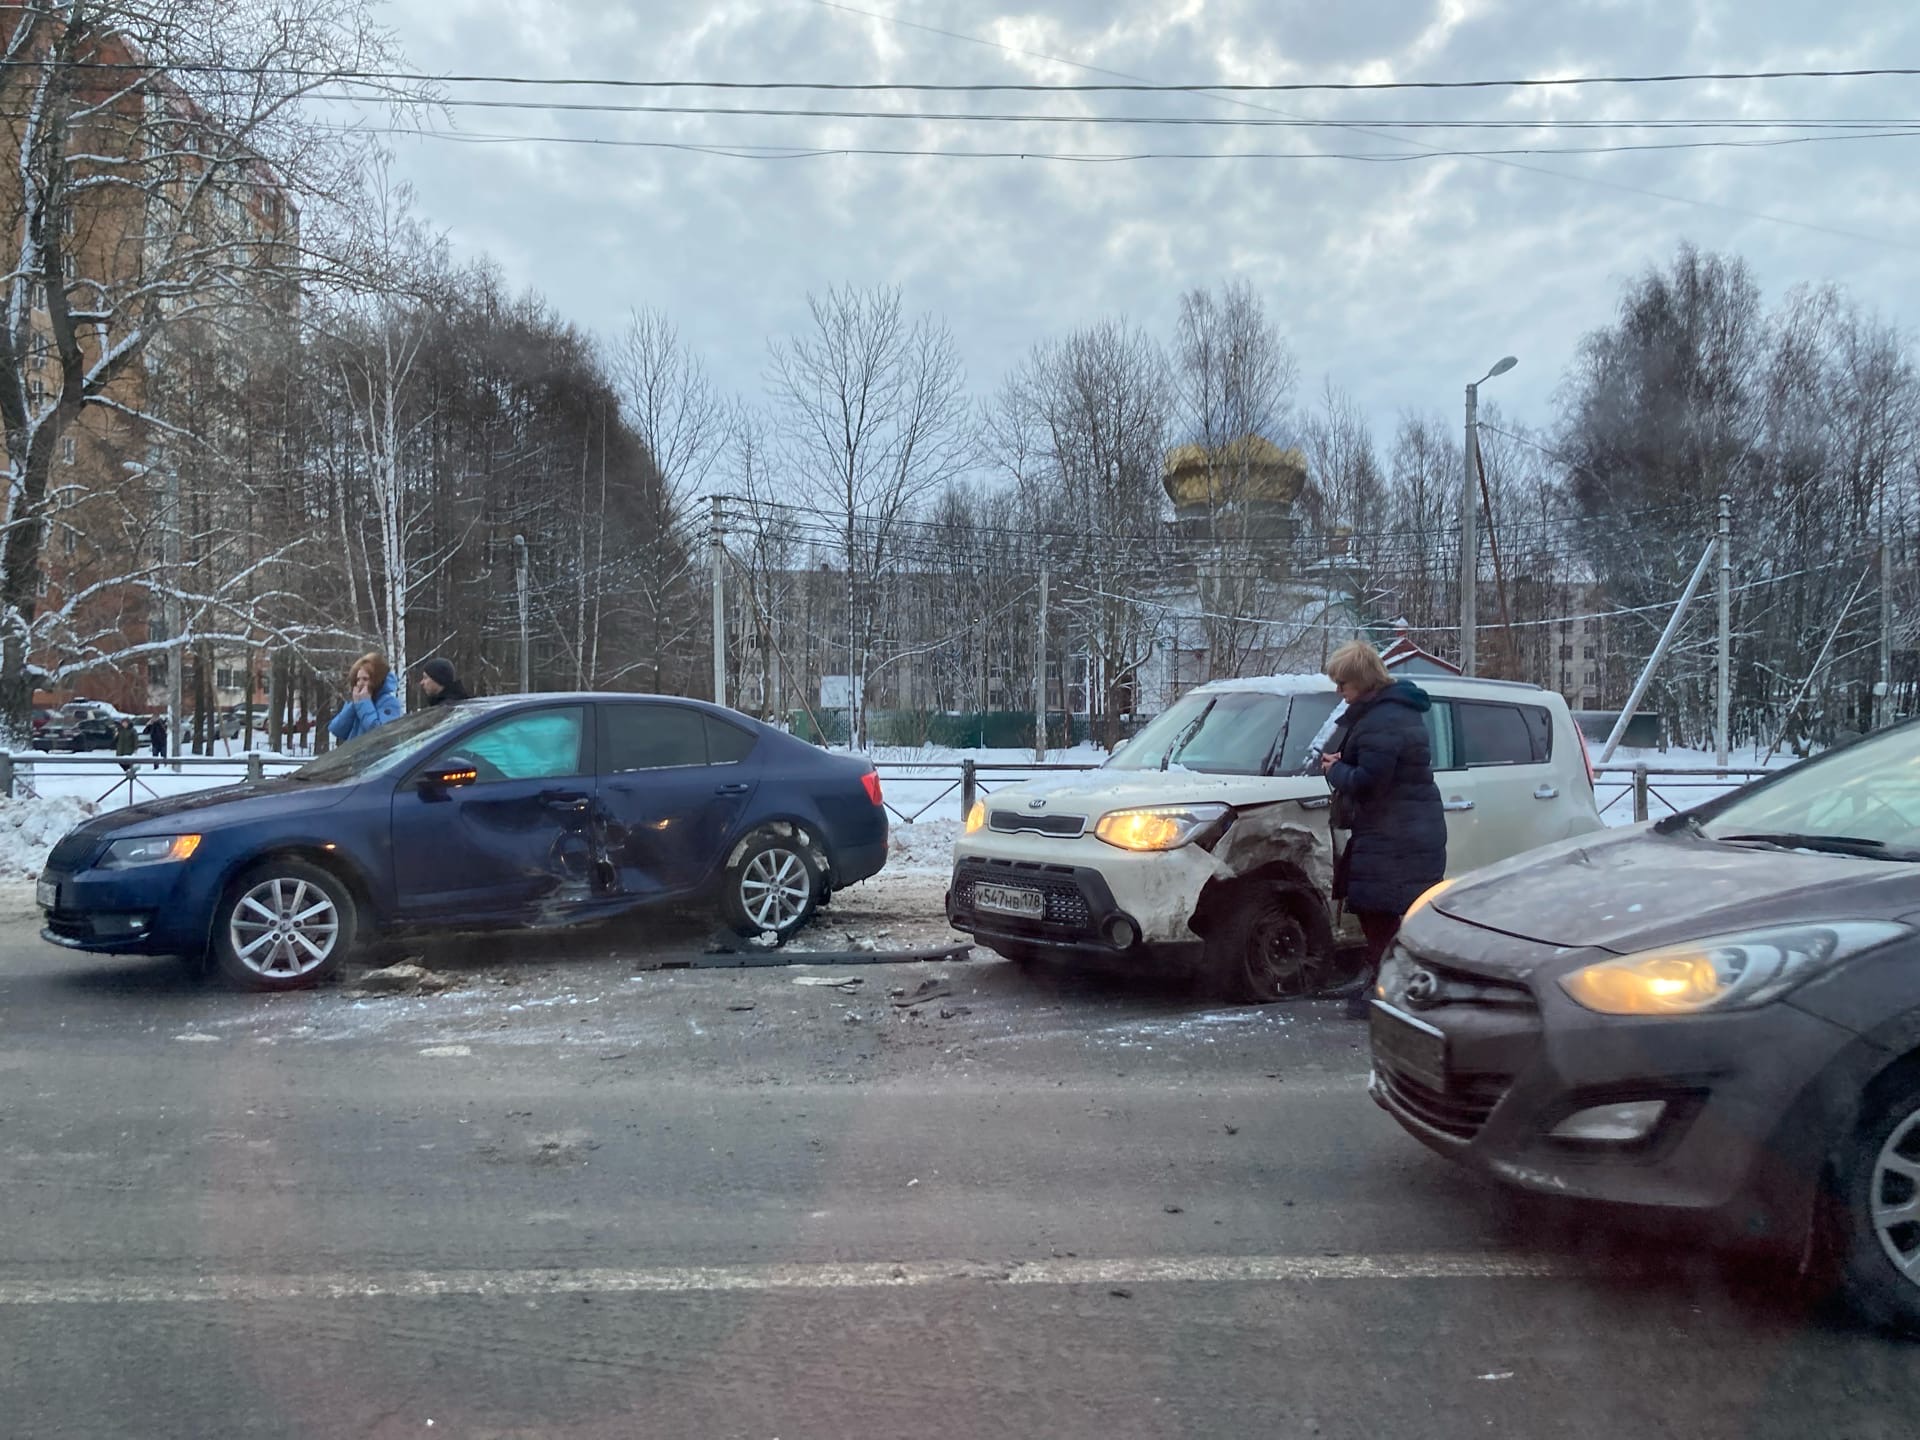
x=520, y=585
x=1040, y=675
x=1883, y=689
x=1721, y=740
x=717, y=546
x=1659, y=654
x=1470, y=537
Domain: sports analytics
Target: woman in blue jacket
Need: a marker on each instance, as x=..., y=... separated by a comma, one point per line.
x=373, y=698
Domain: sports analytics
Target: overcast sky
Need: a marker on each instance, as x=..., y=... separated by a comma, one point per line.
x=1401, y=281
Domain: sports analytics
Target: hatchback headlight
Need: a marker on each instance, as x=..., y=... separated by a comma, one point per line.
x=1158, y=827
x=148, y=850
x=1723, y=972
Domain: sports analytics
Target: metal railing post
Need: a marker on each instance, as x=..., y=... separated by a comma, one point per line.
x=1640, y=792
x=968, y=782
x=6, y=776
x=256, y=771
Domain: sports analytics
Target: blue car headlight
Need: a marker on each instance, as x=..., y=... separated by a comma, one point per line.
x=130, y=854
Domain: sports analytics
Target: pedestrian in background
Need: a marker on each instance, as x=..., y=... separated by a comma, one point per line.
x=1381, y=770
x=126, y=743
x=157, y=738
x=373, y=698
x=440, y=683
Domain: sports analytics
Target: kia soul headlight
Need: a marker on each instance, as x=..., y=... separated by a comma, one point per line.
x=1723, y=972
x=1160, y=827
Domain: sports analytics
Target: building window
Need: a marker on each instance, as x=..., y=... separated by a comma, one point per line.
x=37, y=391
x=69, y=450
x=1566, y=652
x=69, y=267
x=67, y=225
x=1591, y=654
x=69, y=539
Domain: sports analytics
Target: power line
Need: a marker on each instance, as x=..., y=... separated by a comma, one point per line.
x=821, y=152
x=1506, y=162
x=1278, y=122
x=263, y=71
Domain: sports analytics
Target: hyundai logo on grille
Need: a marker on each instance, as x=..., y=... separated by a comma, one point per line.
x=1423, y=988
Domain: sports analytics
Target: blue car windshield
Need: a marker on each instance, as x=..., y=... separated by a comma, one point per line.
x=387, y=748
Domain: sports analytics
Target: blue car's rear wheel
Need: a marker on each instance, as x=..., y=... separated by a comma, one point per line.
x=283, y=925
x=772, y=889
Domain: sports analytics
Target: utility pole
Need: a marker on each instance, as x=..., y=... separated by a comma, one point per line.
x=1883, y=689
x=176, y=613
x=717, y=546
x=520, y=585
x=1040, y=674
x=1470, y=538
x=1470, y=521
x=1721, y=741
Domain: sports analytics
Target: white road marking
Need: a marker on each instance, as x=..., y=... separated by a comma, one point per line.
x=738, y=1279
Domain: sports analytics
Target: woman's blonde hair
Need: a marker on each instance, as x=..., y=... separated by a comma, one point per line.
x=375, y=664
x=1358, y=663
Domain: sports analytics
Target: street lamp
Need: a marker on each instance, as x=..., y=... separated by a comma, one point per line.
x=1470, y=518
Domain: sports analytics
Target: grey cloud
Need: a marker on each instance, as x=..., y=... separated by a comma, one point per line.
x=1401, y=281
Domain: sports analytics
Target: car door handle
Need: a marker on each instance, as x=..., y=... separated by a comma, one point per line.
x=564, y=799
x=1456, y=805
x=1546, y=792
x=735, y=789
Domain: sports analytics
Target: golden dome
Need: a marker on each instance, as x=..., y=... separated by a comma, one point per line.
x=1250, y=468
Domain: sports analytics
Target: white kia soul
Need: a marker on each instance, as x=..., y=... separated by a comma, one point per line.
x=1203, y=844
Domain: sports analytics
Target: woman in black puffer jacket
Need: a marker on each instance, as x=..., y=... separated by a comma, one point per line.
x=1381, y=770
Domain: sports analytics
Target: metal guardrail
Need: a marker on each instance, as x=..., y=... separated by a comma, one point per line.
x=966, y=779
x=1671, y=784
x=22, y=774
x=1644, y=784
x=971, y=778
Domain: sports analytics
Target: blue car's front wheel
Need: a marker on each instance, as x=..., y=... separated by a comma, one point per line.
x=283, y=925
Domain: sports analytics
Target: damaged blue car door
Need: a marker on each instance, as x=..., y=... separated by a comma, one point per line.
x=498, y=823
x=674, y=784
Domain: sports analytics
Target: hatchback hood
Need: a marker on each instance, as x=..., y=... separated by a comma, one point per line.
x=1097, y=791
x=1639, y=889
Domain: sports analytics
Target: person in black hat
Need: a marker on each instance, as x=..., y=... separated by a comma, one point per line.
x=440, y=683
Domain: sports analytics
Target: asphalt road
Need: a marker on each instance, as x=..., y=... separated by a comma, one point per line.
x=572, y=1198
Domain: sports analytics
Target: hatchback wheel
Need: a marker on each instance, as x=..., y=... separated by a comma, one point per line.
x=1882, y=1266
x=1272, y=943
x=772, y=889
x=284, y=925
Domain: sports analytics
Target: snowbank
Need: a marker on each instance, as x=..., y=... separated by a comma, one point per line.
x=926, y=847
x=30, y=828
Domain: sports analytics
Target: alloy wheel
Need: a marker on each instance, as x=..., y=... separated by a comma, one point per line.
x=284, y=928
x=1894, y=1196
x=775, y=887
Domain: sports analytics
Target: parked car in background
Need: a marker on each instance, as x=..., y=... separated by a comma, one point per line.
x=524, y=810
x=1204, y=844
x=78, y=728
x=233, y=721
x=1717, y=1015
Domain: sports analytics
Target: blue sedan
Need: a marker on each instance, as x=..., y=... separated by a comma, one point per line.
x=547, y=809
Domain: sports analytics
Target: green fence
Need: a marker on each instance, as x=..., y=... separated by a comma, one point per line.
x=953, y=730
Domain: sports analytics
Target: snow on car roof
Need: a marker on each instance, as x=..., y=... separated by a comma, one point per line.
x=1300, y=684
